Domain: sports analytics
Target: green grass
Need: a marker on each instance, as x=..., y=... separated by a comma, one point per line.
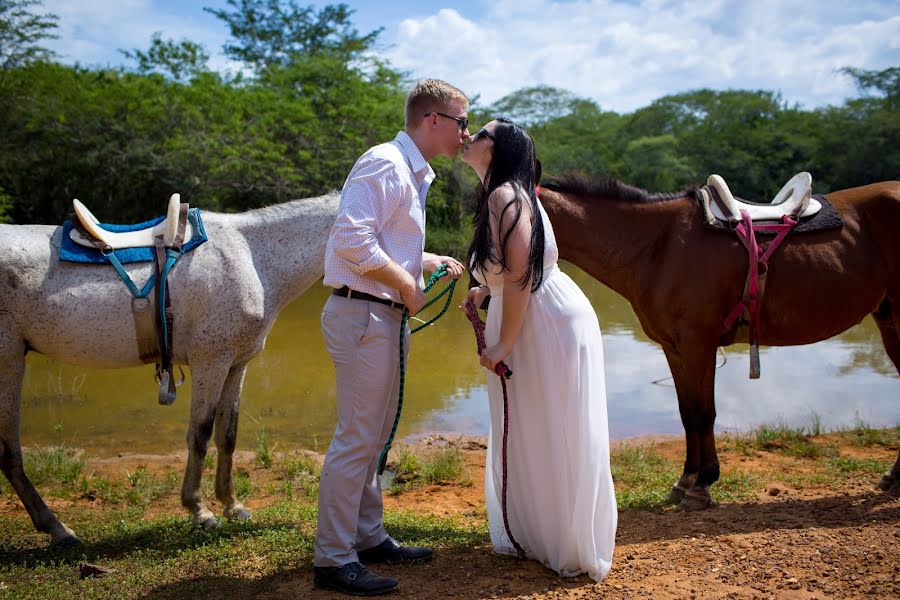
x=299, y=473
x=792, y=441
x=264, y=455
x=165, y=557
x=446, y=466
x=861, y=434
x=862, y=466
x=56, y=464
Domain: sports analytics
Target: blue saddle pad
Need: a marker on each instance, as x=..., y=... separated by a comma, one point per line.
x=72, y=252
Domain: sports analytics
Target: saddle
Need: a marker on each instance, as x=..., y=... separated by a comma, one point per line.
x=139, y=238
x=792, y=200
x=779, y=217
x=161, y=241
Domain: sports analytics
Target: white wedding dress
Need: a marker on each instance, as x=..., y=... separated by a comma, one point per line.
x=560, y=499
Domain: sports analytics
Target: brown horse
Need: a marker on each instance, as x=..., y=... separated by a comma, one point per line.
x=682, y=279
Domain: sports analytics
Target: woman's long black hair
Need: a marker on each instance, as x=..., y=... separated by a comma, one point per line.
x=513, y=162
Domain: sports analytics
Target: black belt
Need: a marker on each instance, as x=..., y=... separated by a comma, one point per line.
x=348, y=293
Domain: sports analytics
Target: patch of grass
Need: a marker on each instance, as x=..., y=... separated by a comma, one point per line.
x=164, y=558
x=243, y=487
x=863, y=435
x=446, y=466
x=742, y=443
x=53, y=465
x=264, y=455
x=642, y=476
x=209, y=461
x=300, y=473
x=735, y=486
x=146, y=488
x=853, y=465
x=793, y=441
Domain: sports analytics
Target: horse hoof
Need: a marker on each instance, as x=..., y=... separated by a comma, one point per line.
x=239, y=514
x=69, y=542
x=207, y=524
x=893, y=489
x=886, y=482
x=695, y=501
x=676, y=495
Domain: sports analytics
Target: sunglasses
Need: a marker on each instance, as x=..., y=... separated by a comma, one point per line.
x=483, y=133
x=463, y=122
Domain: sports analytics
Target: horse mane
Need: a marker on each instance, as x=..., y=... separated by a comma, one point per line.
x=606, y=186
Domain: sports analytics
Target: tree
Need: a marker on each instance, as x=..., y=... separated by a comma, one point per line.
x=657, y=164
x=179, y=60
x=886, y=82
x=276, y=32
x=535, y=105
x=20, y=32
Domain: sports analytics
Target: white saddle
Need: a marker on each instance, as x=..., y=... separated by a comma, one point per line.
x=130, y=239
x=793, y=200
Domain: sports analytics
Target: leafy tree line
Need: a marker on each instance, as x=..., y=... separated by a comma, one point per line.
x=311, y=97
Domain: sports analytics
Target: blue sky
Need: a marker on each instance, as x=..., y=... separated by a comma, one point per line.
x=621, y=53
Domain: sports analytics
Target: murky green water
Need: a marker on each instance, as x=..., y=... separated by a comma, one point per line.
x=289, y=389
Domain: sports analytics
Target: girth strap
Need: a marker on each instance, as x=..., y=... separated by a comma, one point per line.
x=165, y=262
x=748, y=308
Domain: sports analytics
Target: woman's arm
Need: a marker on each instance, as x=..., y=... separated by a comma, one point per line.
x=515, y=297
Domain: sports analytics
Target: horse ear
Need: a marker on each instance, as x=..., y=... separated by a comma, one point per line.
x=537, y=172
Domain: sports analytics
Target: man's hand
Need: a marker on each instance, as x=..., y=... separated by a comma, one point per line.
x=431, y=263
x=413, y=297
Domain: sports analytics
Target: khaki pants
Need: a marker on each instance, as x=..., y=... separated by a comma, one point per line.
x=363, y=339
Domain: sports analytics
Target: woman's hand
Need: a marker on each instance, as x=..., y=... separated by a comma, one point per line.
x=477, y=296
x=494, y=354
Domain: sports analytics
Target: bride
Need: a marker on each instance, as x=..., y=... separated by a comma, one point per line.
x=561, y=506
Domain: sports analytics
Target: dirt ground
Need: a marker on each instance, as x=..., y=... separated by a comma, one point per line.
x=834, y=541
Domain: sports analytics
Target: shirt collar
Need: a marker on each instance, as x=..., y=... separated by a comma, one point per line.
x=417, y=162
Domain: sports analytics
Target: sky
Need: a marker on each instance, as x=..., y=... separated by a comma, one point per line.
x=623, y=54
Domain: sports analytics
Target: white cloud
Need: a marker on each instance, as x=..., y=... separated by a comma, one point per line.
x=626, y=54
x=92, y=32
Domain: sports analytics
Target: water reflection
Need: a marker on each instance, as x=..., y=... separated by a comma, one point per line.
x=289, y=390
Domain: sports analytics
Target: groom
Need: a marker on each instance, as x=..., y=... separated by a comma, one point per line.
x=374, y=261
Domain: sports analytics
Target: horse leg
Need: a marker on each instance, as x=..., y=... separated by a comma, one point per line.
x=890, y=483
x=12, y=370
x=692, y=446
x=226, y=439
x=694, y=375
x=888, y=321
x=208, y=382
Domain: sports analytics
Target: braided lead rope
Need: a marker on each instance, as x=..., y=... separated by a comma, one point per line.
x=503, y=371
x=448, y=291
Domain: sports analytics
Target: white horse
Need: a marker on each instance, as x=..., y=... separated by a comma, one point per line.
x=225, y=294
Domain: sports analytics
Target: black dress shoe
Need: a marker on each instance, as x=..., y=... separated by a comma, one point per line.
x=389, y=551
x=353, y=579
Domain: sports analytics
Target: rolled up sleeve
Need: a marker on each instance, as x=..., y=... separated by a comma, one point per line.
x=368, y=198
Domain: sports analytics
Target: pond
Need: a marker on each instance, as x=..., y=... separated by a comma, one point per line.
x=289, y=390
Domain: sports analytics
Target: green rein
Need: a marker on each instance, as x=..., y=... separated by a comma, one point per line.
x=447, y=291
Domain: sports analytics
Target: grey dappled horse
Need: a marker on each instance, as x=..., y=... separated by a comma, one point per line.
x=225, y=295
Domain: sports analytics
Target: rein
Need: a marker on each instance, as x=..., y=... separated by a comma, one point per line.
x=440, y=273
x=504, y=372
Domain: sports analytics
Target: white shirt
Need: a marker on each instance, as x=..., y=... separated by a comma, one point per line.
x=381, y=218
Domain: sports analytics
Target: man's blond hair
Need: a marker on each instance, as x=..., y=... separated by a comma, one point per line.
x=428, y=96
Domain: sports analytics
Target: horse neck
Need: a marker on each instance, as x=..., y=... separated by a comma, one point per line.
x=611, y=239
x=287, y=242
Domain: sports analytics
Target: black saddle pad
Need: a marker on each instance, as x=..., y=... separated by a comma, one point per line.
x=826, y=218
